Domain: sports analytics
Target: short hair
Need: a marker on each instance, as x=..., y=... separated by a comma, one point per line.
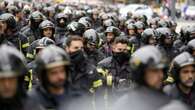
x=122, y=40
x=73, y=38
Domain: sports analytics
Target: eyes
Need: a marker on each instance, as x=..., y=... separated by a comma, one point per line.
x=78, y=48
x=122, y=50
x=47, y=29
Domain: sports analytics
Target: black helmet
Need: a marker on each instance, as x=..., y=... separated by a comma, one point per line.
x=46, y=24
x=163, y=33
x=36, y=16
x=140, y=25
x=153, y=23
x=184, y=33
x=129, y=21
x=60, y=16
x=131, y=26
x=51, y=56
x=26, y=10
x=179, y=62
x=76, y=28
x=145, y=57
x=91, y=37
x=12, y=62
x=86, y=19
x=44, y=42
x=163, y=23
x=147, y=34
x=108, y=22
x=104, y=16
x=85, y=22
x=9, y=19
x=79, y=13
x=12, y=9
x=116, y=31
x=35, y=19
x=191, y=31
x=38, y=7
x=143, y=18
x=191, y=46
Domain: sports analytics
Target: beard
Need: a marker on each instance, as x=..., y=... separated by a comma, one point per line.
x=58, y=84
x=187, y=84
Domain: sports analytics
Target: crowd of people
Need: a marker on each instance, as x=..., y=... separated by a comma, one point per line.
x=87, y=57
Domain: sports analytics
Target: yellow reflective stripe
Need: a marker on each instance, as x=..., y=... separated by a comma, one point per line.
x=103, y=72
x=30, y=81
x=91, y=90
x=128, y=48
x=26, y=78
x=100, y=43
x=109, y=80
x=132, y=49
x=34, y=52
x=29, y=55
x=170, y=79
x=25, y=45
x=97, y=83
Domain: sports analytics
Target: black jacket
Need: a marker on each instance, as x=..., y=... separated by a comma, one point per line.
x=19, y=40
x=117, y=71
x=60, y=36
x=24, y=103
x=83, y=77
x=95, y=57
x=47, y=100
x=32, y=34
x=174, y=92
x=106, y=49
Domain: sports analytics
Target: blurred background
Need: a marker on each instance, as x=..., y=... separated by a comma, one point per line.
x=181, y=10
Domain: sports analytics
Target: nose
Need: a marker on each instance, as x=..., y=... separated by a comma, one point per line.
x=6, y=83
x=190, y=74
x=161, y=74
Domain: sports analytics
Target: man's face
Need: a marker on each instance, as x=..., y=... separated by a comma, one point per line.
x=187, y=76
x=193, y=53
x=75, y=46
x=95, y=16
x=19, y=15
x=3, y=27
x=168, y=40
x=192, y=35
x=57, y=76
x=152, y=41
x=154, y=78
x=109, y=37
x=119, y=47
x=47, y=32
x=8, y=87
x=140, y=31
x=131, y=31
x=91, y=47
x=62, y=22
x=154, y=26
